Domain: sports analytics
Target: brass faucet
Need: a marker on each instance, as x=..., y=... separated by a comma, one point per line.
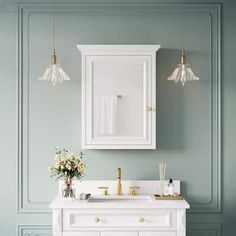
x=119, y=185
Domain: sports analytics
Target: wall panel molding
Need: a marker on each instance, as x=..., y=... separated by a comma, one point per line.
x=34, y=230
x=213, y=11
x=202, y=229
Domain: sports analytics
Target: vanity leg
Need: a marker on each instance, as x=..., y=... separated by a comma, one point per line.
x=57, y=222
x=181, y=222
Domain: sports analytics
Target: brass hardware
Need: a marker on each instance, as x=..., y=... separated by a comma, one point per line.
x=183, y=58
x=141, y=219
x=119, y=185
x=105, y=192
x=97, y=220
x=133, y=190
x=54, y=57
x=150, y=109
x=168, y=197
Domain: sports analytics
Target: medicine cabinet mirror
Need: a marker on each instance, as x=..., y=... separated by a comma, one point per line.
x=118, y=96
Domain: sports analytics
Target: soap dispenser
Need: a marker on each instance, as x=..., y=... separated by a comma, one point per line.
x=170, y=189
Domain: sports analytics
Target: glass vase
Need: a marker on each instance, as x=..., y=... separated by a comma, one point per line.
x=68, y=189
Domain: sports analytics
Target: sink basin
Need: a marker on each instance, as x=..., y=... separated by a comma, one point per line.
x=115, y=198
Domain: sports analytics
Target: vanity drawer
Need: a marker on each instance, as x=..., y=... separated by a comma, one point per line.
x=160, y=219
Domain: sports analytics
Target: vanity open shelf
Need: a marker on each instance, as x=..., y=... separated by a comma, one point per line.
x=112, y=215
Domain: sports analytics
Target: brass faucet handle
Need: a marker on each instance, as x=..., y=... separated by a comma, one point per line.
x=133, y=190
x=105, y=190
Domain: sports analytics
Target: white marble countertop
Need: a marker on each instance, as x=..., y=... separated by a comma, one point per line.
x=59, y=203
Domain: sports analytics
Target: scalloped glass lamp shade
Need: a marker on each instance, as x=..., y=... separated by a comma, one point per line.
x=54, y=72
x=183, y=72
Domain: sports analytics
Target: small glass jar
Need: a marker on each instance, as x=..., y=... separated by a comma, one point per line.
x=170, y=188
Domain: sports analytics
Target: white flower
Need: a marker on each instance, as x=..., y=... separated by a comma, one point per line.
x=82, y=167
x=66, y=157
x=57, y=157
x=68, y=166
x=58, y=164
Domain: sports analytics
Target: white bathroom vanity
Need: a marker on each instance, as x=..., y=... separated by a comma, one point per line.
x=126, y=215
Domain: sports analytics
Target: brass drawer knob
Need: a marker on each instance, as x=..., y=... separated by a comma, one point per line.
x=97, y=220
x=141, y=219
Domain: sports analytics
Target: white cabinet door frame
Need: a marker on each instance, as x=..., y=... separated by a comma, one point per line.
x=145, y=57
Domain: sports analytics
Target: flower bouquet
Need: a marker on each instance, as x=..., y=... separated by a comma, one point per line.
x=67, y=166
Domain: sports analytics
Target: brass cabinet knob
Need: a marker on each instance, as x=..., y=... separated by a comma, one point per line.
x=150, y=109
x=141, y=219
x=97, y=220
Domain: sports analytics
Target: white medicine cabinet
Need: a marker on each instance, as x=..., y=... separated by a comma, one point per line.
x=118, y=96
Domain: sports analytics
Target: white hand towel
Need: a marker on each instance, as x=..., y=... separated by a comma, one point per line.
x=105, y=114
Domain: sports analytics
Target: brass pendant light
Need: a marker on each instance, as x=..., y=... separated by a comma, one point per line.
x=183, y=71
x=54, y=72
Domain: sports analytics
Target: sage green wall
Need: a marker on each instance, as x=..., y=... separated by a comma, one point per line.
x=195, y=125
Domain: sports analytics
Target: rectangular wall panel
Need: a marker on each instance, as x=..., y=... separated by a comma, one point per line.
x=45, y=119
